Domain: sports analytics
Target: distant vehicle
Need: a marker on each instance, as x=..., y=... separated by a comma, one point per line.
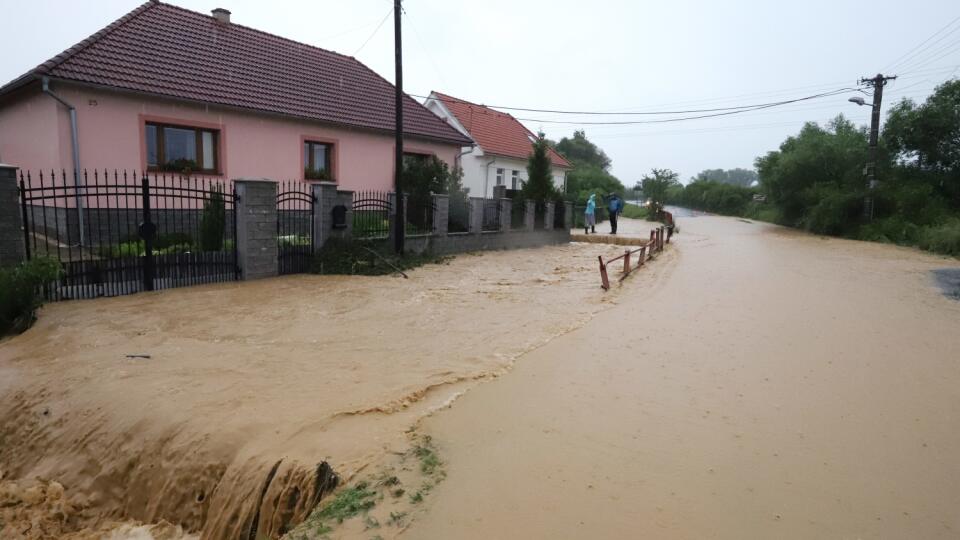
x=759, y=198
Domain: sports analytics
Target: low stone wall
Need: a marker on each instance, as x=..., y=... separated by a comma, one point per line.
x=463, y=242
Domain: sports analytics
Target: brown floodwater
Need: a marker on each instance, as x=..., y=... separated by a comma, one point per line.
x=285, y=383
x=757, y=382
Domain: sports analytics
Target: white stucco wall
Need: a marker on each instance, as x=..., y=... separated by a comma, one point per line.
x=480, y=172
x=480, y=169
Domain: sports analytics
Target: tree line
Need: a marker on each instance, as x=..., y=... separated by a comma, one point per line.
x=815, y=179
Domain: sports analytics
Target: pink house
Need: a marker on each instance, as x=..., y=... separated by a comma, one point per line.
x=168, y=89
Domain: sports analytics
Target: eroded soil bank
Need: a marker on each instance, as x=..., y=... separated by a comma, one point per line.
x=252, y=394
x=761, y=383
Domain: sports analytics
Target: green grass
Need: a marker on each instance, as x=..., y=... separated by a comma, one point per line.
x=633, y=211
x=427, y=454
x=346, y=504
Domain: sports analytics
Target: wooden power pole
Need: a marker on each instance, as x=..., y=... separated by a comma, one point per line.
x=398, y=226
x=877, y=83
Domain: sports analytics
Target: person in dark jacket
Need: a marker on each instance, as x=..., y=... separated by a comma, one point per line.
x=615, y=207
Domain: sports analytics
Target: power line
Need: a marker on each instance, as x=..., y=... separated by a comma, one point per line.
x=426, y=51
x=669, y=120
x=375, y=30
x=624, y=113
x=940, y=53
x=900, y=61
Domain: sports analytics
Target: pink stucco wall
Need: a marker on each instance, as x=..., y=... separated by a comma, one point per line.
x=35, y=134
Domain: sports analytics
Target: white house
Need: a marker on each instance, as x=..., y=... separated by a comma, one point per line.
x=502, y=146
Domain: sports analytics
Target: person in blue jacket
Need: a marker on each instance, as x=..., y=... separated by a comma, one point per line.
x=615, y=206
x=590, y=215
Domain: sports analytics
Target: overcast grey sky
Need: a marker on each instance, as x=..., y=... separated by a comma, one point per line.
x=601, y=55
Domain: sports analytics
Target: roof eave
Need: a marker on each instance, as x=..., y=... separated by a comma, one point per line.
x=451, y=141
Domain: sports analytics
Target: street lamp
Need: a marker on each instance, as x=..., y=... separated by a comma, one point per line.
x=872, y=163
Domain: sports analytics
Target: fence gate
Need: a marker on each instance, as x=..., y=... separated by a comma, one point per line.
x=295, y=219
x=117, y=233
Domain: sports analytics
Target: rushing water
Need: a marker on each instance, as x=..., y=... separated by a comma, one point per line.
x=757, y=382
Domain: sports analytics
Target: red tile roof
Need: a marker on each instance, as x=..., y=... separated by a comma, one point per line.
x=496, y=132
x=169, y=51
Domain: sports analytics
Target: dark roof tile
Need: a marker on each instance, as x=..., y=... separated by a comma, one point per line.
x=170, y=51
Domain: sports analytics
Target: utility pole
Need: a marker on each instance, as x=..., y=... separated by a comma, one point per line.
x=399, y=225
x=877, y=83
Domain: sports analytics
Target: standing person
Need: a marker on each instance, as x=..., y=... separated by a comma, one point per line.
x=615, y=206
x=590, y=215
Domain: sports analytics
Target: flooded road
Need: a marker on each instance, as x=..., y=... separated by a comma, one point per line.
x=757, y=383
x=176, y=405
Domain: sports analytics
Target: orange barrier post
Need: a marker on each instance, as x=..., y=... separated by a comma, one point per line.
x=604, y=282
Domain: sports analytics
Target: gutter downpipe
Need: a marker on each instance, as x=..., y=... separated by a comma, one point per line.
x=75, y=141
x=486, y=176
x=458, y=161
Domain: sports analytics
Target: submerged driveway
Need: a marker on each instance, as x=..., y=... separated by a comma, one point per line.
x=769, y=384
x=176, y=404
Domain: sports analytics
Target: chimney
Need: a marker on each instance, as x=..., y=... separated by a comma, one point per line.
x=221, y=15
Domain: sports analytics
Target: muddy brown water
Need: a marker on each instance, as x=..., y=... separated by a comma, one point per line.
x=759, y=383
x=751, y=382
x=300, y=380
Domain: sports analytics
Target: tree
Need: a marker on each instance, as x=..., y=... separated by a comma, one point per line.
x=736, y=177
x=213, y=221
x=816, y=178
x=539, y=185
x=581, y=151
x=656, y=185
x=422, y=177
x=925, y=140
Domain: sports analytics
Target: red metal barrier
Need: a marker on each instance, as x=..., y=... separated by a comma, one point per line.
x=654, y=244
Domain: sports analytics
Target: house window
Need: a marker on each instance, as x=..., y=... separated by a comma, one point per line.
x=410, y=158
x=180, y=148
x=317, y=161
x=515, y=180
x=499, y=177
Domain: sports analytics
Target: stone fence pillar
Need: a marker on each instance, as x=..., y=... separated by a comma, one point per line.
x=441, y=213
x=505, y=208
x=476, y=215
x=549, y=208
x=324, y=194
x=529, y=215
x=12, y=246
x=568, y=215
x=256, y=210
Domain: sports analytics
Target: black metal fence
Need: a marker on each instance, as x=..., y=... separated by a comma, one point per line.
x=491, y=215
x=559, y=215
x=295, y=225
x=459, y=211
x=419, y=214
x=539, y=215
x=518, y=214
x=121, y=232
x=371, y=214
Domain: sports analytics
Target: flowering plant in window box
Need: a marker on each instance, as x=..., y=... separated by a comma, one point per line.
x=314, y=174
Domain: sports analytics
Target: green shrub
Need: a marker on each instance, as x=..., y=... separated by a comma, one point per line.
x=350, y=257
x=213, y=221
x=762, y=211
x=833, y=213
x=893, y=230
x=943, y=238
x=20, y=292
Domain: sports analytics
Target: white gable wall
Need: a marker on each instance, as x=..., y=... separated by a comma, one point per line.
x=480, y=169
x=480, y=172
